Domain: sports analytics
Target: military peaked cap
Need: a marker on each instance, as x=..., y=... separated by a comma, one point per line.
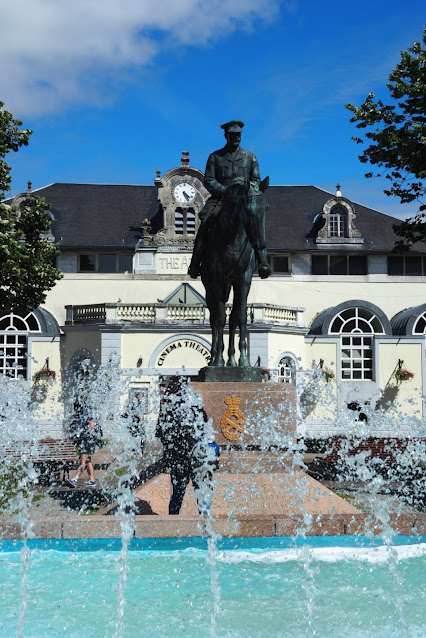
x=234, y=126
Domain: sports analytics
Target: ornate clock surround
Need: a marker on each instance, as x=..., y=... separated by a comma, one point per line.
x=172, y=208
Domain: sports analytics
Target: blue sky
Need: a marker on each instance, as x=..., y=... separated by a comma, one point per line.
x=116, y=89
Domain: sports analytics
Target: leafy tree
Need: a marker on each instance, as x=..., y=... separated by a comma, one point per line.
x=27, y=257
x=397, y=136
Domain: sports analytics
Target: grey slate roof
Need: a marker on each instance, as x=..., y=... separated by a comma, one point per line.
x=110, y=216
x=321, y=323
x=293, y=209
x=100, y=215
x=403, y=322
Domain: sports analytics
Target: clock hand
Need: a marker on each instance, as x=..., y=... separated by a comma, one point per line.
x=186, y=196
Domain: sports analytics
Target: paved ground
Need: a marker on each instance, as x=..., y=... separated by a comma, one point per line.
x=63, y=501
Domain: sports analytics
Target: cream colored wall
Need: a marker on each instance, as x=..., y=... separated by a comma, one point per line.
x=313, y=293
x=283, y=342
x=78, y=289
x=142, y=344
x=316, y=350
x=406, y=394
x=320, y=397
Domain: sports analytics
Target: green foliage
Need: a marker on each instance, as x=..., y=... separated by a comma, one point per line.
x=316, y=446
x=397, y=136
x=27, y=257
x=13, y=481
x=12, y=137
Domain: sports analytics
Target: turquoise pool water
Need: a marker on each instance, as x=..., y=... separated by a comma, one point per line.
x=350, y=587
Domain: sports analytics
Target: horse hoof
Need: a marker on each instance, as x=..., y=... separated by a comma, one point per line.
x=217, y=363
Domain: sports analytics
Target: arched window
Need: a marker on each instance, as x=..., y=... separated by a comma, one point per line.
x=338, y=222
x=14, y=332
x=357, y=327
x=419, y=327
x=287, y=370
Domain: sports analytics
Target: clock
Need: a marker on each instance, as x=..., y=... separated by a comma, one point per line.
x=184, y=193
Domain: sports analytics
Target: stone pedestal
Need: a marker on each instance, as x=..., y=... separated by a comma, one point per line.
x=249, y=413
x=230, y=375
x=252, y=486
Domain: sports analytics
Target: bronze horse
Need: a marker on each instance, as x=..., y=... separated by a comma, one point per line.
x=228, y=263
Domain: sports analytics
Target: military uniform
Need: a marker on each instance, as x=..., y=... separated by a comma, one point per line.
x=224, y=168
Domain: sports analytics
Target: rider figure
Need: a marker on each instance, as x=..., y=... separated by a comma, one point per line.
x=230, y=165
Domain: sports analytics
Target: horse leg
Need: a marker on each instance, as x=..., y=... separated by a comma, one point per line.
x=217, y=323
x=240, y=305
x=233, y=322
x=220, y=324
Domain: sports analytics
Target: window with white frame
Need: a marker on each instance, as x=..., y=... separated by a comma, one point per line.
x=357, y=357
x=419, y=327
x=338, y=222
x=287, y=370
x=14, y=332
x=357, y=327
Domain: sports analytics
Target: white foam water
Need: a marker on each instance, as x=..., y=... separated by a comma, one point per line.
x=379, y=554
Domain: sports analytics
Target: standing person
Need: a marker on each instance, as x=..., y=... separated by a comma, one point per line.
x=225, y=167
x=87, y=437
x=187, y=456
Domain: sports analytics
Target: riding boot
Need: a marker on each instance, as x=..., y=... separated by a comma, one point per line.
x=197, y=252
x=263, y=267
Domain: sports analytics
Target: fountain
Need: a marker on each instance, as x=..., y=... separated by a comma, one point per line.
x=279, y=554
x=295, y=539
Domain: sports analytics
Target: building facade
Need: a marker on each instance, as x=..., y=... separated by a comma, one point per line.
x=342, y=317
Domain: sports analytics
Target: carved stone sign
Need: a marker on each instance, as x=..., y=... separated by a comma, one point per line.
x=182, y=346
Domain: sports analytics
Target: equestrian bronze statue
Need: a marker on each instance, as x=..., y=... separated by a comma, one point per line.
x=230, y=242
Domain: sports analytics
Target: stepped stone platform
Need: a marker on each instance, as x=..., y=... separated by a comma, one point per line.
x=257, y=493
x=248, y=483
x=277, y=494
x=265, y=495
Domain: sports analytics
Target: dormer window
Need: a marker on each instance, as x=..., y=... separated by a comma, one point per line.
x=338, y=227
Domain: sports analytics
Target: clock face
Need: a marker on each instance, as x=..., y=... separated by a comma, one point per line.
x=184, y=192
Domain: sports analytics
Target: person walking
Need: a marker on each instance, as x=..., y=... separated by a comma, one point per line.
x=87, y=437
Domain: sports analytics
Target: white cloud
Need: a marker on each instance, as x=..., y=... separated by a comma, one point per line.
x=54, y=53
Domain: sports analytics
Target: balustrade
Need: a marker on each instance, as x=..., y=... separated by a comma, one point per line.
x=114, y=313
